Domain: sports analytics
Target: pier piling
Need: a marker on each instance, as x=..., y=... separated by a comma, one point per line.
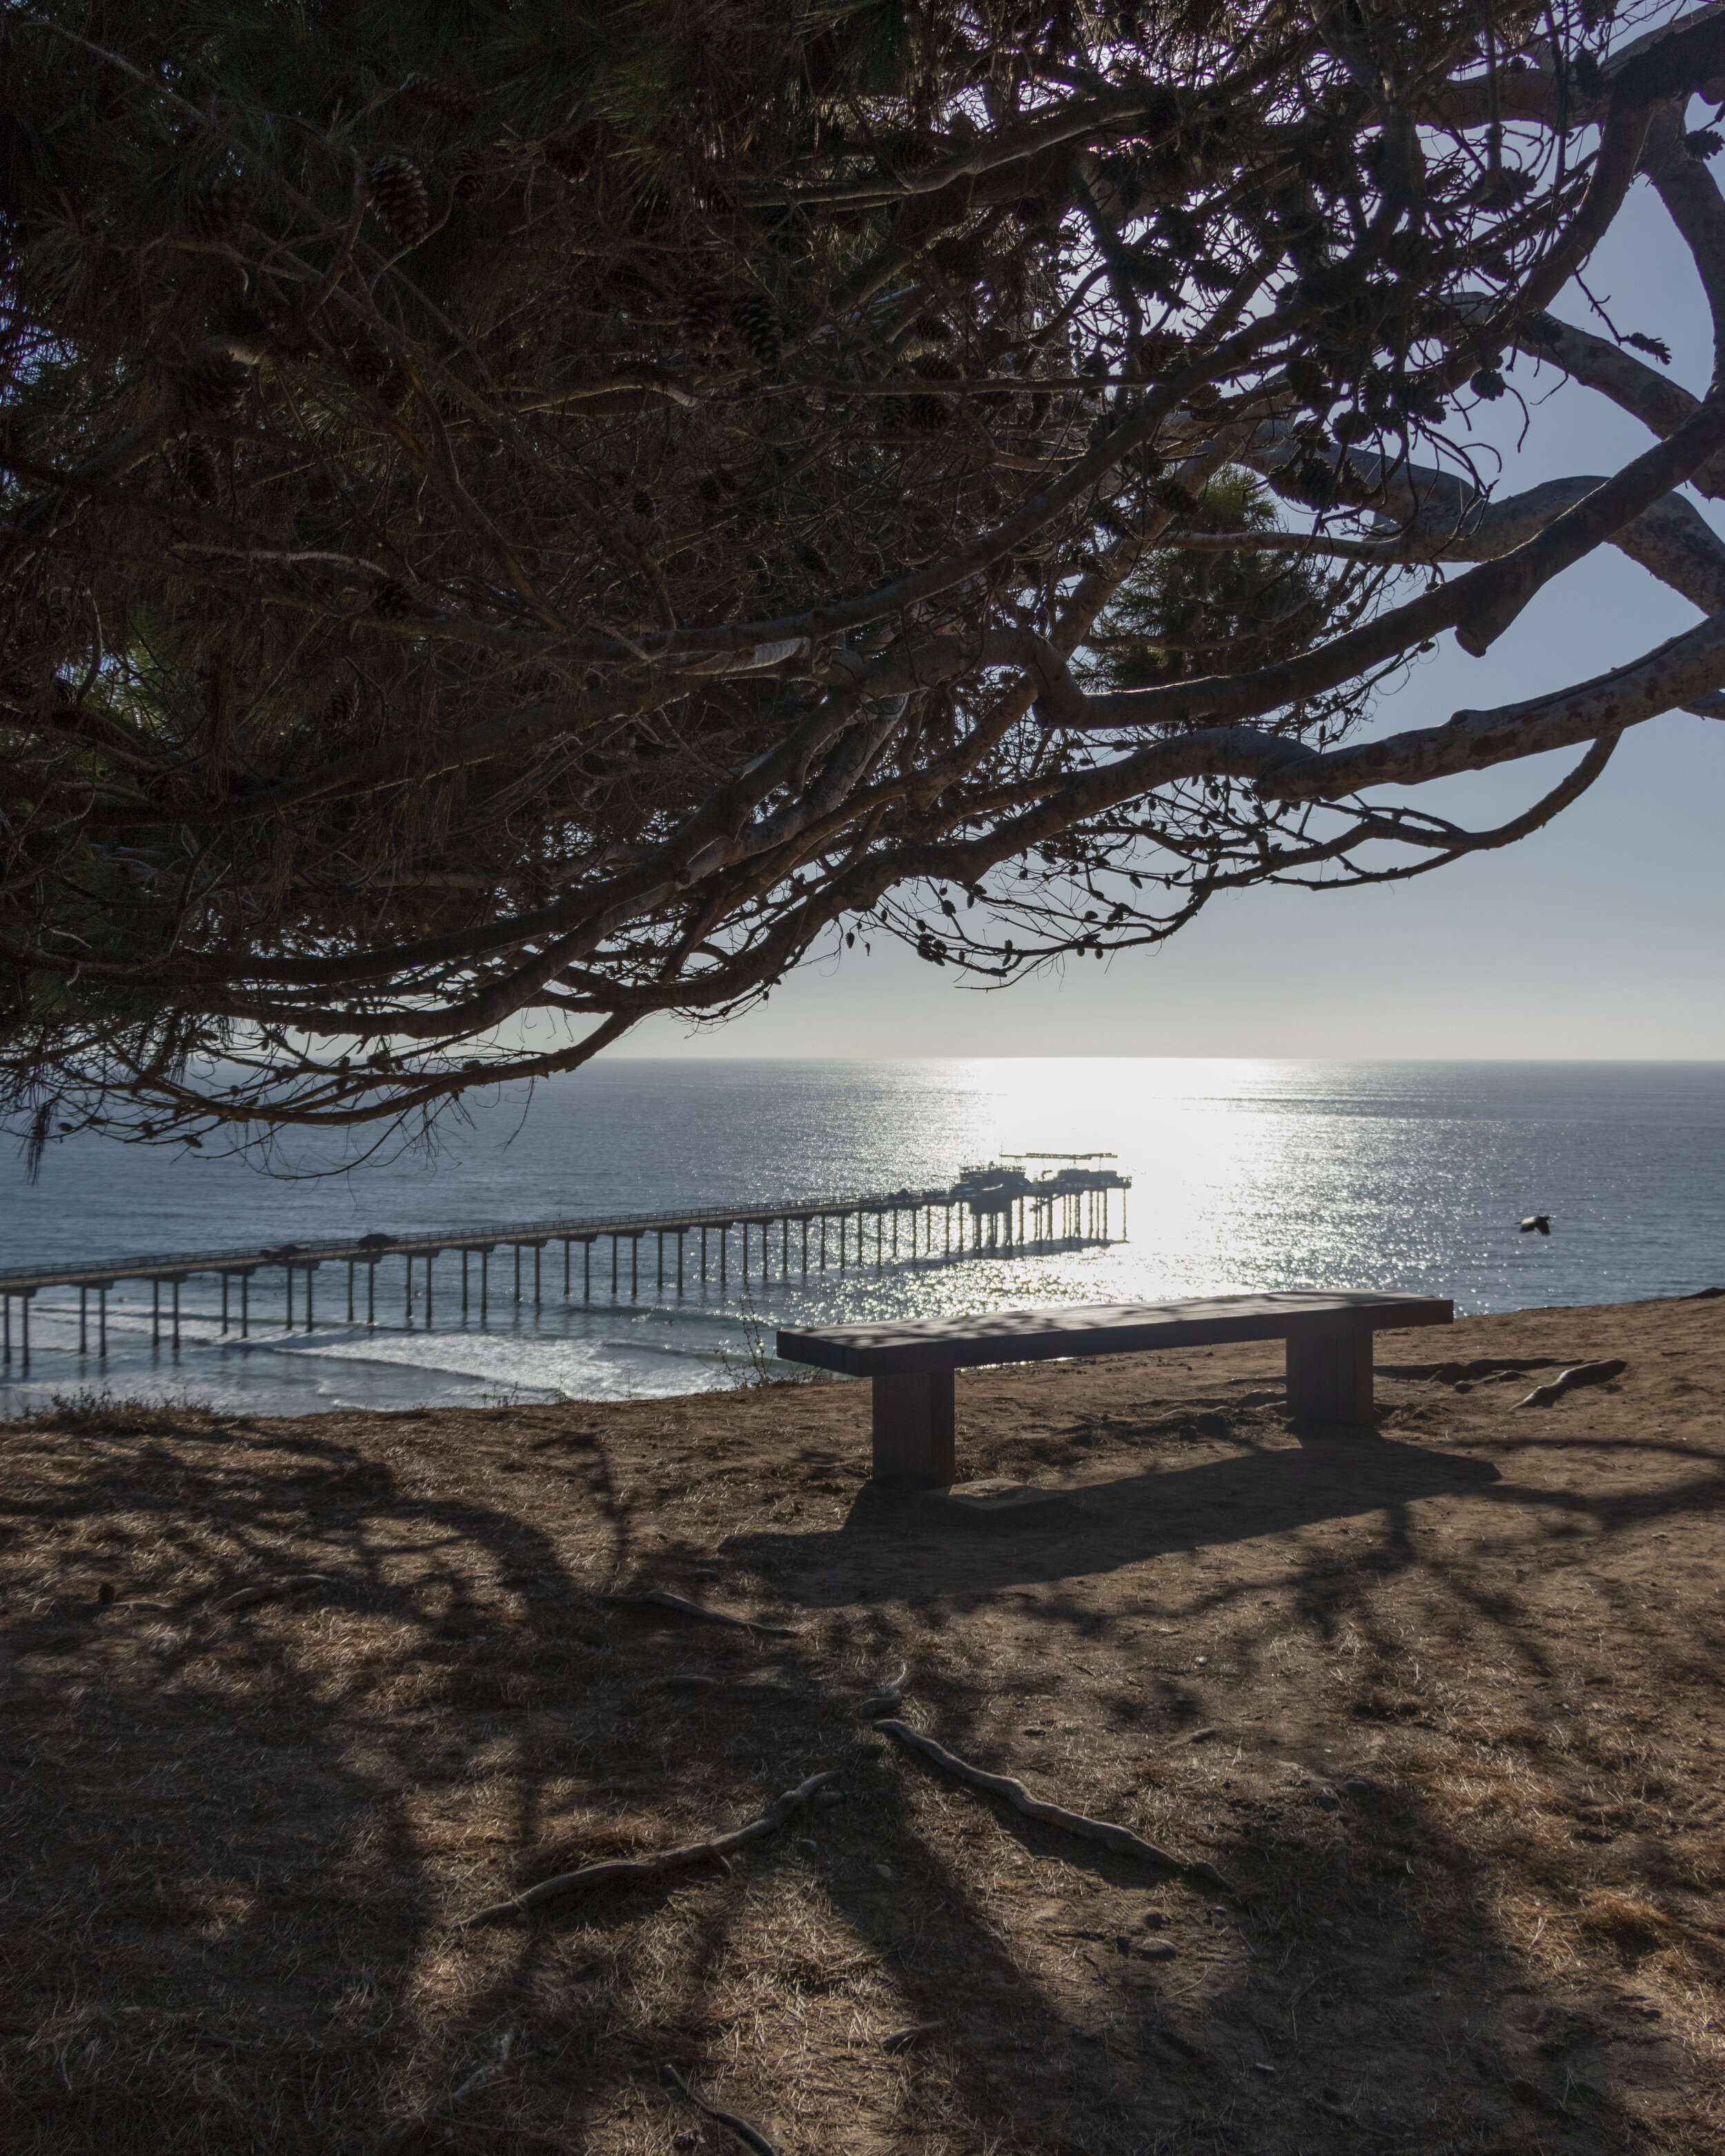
x=1001, y=1209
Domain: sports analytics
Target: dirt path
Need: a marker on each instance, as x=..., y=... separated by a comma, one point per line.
x=1442, y=1704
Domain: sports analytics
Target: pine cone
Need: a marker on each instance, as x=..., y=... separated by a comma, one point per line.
x=1309, y=383
x=1158, y=350
x=339, y=707
x=1169, y=494
x=1502, y=190
x=1488, y=383
x=756, y=324
x=812, y=559
x=1588, y=76
x=571, y=159
x=1423, y=398
x=424, y=90
x=703, y=314
x=931, y=329
x=392, y=601
x=1329, y=285
x=1704, y=142
x=212, y=385
x=367, y=363
x=465, y=171
x=926, y=415
x=217, y=204
x=373, y=368
x=196, y=468
x=960, y=254
x=1312, y=481
x=398, y=197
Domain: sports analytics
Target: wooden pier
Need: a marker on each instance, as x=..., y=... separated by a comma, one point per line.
x=995, y=1209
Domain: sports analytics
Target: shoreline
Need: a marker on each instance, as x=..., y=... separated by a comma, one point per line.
x=785, y=1375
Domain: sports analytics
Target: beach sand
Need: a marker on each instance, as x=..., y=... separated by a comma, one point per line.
x=1440, y=1704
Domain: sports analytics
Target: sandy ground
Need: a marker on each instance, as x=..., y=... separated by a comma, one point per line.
x=1441, y=1704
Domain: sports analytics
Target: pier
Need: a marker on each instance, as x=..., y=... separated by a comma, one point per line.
x=987, y=1210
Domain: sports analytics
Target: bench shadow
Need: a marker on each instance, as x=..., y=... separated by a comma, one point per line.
x=1101, y=1527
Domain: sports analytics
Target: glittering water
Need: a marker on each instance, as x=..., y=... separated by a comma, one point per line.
x=1246, y=1175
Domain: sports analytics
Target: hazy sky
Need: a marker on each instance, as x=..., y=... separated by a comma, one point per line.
x=1603, y=935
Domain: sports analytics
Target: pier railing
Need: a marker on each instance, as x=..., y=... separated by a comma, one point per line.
x=162, y=1264
x=1006, y=1210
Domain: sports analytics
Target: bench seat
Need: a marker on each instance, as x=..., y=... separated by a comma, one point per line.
x=912, y=1362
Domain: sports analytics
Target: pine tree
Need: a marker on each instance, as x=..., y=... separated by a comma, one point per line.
x=553, y=511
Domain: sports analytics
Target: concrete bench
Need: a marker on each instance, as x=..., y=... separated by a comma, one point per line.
x=1329, y=1356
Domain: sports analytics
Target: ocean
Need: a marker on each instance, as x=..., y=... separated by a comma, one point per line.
x=1245, y=1175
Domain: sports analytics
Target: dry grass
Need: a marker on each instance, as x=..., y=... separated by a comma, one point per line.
x=1444, y=1704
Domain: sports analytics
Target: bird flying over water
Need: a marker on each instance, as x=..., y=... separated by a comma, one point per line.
x=1542, y=1221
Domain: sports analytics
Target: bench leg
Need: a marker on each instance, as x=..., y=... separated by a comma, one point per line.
x=1330, y=1373
x=913, y=1429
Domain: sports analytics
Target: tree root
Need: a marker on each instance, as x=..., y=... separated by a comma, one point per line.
x=247, y=1597
x=625, y=1870
x=1582, y=1374
x=408, y=2135
x=901, y=2039
x=871, y=1709
x=1120, y=1839
x=745, y=2129
x=656, y=1598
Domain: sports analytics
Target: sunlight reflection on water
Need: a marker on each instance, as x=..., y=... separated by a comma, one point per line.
x=1266, y=1174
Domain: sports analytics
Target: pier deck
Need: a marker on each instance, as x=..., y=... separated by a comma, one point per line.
x=995, y=1209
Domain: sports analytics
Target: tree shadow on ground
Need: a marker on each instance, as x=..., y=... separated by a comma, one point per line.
x=1125, y=1520
x=240, y=1840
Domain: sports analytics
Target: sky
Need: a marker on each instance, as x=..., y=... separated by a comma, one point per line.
x=1601, y=935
